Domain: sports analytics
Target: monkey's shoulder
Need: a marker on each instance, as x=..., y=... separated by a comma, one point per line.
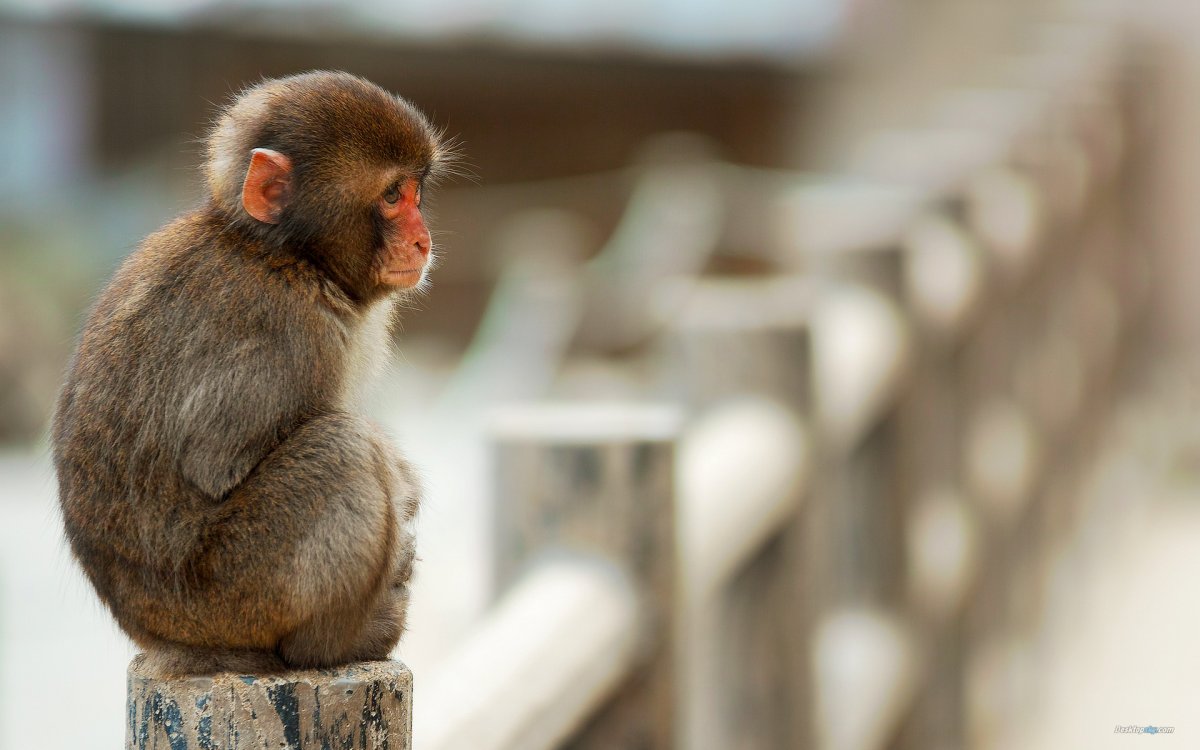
x=202, y=257
x=192, y=276
x=186, y=319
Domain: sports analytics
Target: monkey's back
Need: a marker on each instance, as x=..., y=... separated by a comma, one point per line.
x=187, y=374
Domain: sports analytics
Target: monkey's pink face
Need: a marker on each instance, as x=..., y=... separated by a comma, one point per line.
x=406, y=241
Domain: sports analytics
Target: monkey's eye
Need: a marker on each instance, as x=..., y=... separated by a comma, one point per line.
x=392, y=195
x=417, y=195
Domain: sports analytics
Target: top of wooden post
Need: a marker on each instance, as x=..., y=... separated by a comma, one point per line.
x=360, y=706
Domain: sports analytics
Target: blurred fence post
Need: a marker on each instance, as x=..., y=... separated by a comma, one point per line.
x=945, y=278
x=599, y=478
x=364, y=706
x=888, y=491
x=855, y=563
x=743, y=684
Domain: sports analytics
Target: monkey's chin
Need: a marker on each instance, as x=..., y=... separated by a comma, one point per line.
x=402, y=279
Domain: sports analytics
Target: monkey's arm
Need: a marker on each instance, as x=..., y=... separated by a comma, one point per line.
x=227, y=424
x=244, y=390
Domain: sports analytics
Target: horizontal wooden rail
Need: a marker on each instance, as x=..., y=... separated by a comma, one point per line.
x=546, y=657
x=742, y=469
x=861, y=356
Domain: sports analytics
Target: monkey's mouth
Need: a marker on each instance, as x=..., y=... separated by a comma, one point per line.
x=402, y=276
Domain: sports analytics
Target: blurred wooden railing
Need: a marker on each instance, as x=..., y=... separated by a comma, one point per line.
x=836, y=534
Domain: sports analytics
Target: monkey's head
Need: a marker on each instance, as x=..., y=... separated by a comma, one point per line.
x=332, y=168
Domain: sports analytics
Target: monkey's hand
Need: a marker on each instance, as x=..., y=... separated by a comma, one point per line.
x=389, y=619
x=406, y=555
x=403, y=483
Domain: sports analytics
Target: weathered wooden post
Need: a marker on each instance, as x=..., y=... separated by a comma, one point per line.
x=973, y=450
x=1024, y=379
x=851, y=549
x=946, y=288
x=743, y=469
x=1031, y=365
x=599, y=478
x=888, y=486
x=362, y=706
x=853, y=544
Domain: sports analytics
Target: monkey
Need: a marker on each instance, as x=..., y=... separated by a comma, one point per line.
x=218, y=482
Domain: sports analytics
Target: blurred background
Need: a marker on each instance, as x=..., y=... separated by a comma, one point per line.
x=901, y=293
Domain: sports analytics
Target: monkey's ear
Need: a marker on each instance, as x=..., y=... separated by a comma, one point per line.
x=268, y=185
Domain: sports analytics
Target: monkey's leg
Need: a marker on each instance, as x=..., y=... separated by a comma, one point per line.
x=390, y=616
x=377, y=637
x=312, y=542
x=388, y=620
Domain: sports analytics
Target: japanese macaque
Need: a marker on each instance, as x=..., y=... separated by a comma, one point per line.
x=221, y=491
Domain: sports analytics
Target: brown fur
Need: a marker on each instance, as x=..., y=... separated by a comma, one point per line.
x=228, y=507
